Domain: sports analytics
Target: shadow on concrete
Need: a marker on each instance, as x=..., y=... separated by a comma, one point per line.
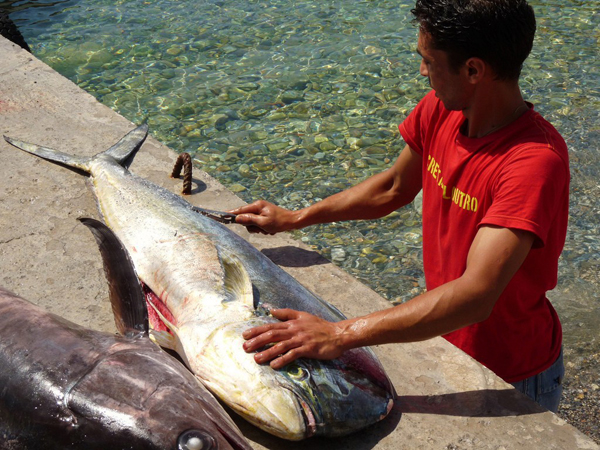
x=484, y=403
x=290, y=256
x=197, y=186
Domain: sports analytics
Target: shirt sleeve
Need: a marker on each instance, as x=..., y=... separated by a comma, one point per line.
x=529, y=191
x=414, y=128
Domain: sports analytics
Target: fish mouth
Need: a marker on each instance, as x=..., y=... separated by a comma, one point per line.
x=309, y=418
x=301, y=391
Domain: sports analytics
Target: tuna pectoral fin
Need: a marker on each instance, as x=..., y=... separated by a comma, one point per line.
x=237, y=281
x=126, y=296
x=61, y=158
x=128, y=145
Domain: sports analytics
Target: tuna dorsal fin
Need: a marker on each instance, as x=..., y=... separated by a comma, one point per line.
x=128, y=145
x=237, y=281
x=63, y=159
x=126, y=295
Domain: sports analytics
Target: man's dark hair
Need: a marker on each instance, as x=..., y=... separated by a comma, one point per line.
x=500, y=32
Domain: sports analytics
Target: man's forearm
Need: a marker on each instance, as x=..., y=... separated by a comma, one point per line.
x=300, y=334
x=375, y=197
x=434, y=313
x=364, y=201
x=495, y=255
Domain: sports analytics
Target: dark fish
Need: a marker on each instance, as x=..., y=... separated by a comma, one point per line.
x=63, y=386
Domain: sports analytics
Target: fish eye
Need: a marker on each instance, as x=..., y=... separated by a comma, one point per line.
x=195, y=440
x=297, y=372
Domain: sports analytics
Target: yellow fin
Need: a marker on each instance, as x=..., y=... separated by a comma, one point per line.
x=237, y=281
x=164, y=339
x=172, y=342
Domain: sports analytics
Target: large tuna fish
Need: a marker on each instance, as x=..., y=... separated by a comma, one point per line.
x=209, y=285
x=65, y=386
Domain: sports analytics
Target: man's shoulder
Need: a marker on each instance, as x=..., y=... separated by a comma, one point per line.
x=537, y=135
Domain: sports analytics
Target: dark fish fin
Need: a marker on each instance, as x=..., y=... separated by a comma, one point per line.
x=124, y=150
x=126, y=295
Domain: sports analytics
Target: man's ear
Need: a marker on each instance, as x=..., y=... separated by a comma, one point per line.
x=476, y=69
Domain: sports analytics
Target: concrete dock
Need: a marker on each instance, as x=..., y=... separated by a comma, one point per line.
x=445, y=399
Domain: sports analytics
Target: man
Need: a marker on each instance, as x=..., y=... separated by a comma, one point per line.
x=495, y=181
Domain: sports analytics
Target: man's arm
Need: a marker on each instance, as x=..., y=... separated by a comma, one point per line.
x=375, y=197
x=494, y=257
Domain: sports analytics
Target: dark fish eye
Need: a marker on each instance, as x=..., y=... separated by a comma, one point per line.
x=195, y=440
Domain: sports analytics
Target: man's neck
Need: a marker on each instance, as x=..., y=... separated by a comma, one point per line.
x=493, y=108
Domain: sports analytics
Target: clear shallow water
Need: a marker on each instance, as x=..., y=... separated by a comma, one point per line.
x=292, y=101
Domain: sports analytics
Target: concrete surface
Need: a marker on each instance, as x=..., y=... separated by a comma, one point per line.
x=445, y=400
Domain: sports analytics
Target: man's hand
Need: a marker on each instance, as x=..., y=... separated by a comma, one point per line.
x=263, y=217
x=299, y=335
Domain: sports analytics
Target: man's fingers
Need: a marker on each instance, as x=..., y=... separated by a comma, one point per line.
x=278, y=350
x=281, y=354
x=285, y=359
x=253, y=332
x=252, y=208
x=285, y=314
x=252, y=222
x=247, y=219
x=270, y=336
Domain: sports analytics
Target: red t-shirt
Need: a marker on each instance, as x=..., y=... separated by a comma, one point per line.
x=517, y=177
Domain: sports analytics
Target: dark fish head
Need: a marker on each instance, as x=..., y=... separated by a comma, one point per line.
x=148, y=400
x=340, y=396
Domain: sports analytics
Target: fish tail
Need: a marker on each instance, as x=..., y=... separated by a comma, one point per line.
x=121, y=152
x=63, y=159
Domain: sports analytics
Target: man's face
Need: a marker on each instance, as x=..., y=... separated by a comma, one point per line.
x=451, y=86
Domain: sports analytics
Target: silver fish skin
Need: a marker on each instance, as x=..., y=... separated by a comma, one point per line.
x=209, y=285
